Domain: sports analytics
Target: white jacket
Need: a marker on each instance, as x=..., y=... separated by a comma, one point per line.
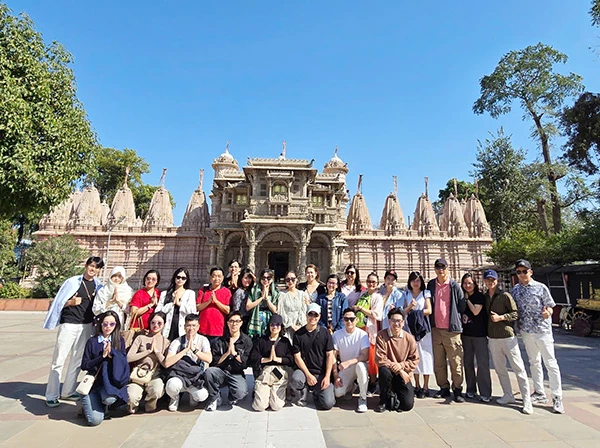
x=187, y=305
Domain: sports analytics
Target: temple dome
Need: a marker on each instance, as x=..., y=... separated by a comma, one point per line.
x=196, y=215
x=160, y=213
x=475, y=218
x=335, y=165
x=89, y=209
x=122, y=211
x=225, y=164
x=358, y=220
x=452, y=219
x=424, y=220
x=392, y=218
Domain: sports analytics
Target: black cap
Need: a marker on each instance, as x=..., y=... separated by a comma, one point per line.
x=441, y=262
x=522, y=264
x=392, y=273
x=276, y=319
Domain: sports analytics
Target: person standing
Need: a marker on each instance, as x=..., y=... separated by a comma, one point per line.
x=502, y=342
x=351, y=286
x=177, y=302
x=535, y=306
x=71, y=311
x=262, y=303
x=333, y=304
x=313, y=353
x=448, y=304
x=291, y=306
x=114, y=296
x=313, y=285
x=397, y=357
x=144, y=301
x=475, y=342
x=352, y=353
x=392, y=296
x=213, y=305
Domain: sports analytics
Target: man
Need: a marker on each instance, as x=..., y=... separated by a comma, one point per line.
x=397, y=356
x=71, y=311
x=502, y=342
x=213, y=305
x=535, y=306
x=392, y=296
x=187, y=359
x=448, y=304
x=230, y=358
x=313, y=353
x=352, y=353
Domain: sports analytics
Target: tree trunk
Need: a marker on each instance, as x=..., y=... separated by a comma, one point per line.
x=551, y=175
x=541, y=204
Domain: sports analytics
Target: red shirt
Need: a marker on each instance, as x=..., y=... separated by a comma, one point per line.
x=442, y=305
x=140, y=299
x=212, y=320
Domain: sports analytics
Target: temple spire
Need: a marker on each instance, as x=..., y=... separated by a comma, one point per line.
x=359, y=187
x=227, y=147
x=283, y=149
x=161, y=182
x=427, y=187
x=201, y=179
x=455, y=188
x=395, y=186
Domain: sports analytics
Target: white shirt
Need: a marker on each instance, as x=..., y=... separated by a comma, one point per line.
x=349, y=345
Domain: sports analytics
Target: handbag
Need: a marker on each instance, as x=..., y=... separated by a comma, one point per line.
x=87, y=382
x=129, y=334
x=142, y=374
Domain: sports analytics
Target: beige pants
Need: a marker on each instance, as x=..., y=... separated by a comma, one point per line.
x=447, y=348
x=269, y=391
x=154, y=390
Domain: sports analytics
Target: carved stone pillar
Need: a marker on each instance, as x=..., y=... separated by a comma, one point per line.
x=251, y=238
x=213, y=255
x=332, y=259
x=221, y=250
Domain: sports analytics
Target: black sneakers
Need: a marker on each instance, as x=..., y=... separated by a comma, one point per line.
x=442, y=393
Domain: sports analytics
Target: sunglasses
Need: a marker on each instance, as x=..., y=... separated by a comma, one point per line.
x=350, y=273
x=371, y=282
x=440, y=268
x=181, y=277
x=266, y=278
x=290, y=279
x=275, y=325
x=313, y=314
x=108, y=324
x=349, y=319
x=520, y=272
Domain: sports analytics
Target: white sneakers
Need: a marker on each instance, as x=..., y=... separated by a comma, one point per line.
x=362, y=405
x=214, y=405
x=506, y=399
x=557, y=406
x=174, y=404
x=538, y=398
x=527, y=407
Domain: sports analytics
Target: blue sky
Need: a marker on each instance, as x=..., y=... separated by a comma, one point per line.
x=391, y=83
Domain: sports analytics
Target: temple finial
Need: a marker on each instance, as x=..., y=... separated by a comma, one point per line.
x=396, y=186
x=201, y=179
x=283, y=149
x=359, y=187
x=161, y=182
x=227, y=147
x=126, y=177
x=455, y=188
x=427, y=187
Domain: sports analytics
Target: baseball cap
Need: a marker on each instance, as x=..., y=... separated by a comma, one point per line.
x=522, y=263
x=490, y=273
x=276, y=319
x=441, y=262
x=314, y=307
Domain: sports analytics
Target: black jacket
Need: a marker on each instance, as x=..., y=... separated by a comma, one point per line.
x=457, y=305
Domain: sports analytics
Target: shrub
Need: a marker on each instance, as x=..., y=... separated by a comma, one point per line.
x=12, y=290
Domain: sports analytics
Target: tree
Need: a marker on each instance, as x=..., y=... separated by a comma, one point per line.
x=464, y=190
x=8, y=240
x=581, y=124
x=56, y=259
x=507, y=189
x=595, y=12
x=527, y=76
x=45, y=137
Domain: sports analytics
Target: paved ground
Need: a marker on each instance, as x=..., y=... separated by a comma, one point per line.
x=25, y=421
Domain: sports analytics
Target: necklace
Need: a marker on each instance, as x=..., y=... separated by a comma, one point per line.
x=93, y=294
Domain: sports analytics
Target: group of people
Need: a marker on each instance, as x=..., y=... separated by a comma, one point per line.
x=327, y=339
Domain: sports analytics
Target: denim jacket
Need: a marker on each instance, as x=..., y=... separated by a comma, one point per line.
x=66, y=291
x=338, y=304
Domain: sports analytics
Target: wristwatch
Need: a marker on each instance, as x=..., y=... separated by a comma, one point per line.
x=195, y=351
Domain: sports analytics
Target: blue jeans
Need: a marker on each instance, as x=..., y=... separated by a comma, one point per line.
x=94, y=404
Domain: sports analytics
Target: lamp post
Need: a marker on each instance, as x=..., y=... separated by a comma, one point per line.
x=112, y=223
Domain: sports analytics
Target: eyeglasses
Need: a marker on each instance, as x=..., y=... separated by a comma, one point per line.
x=290, y=279
x=371, y=282
x=519, y=272
x=313, y=314
x=396, y=321
x=349, y=319
x=332, y=282
x=235, y=321
x=350, y=273
x=440, y=268
x=108, y=324
x=180, y=277
x=266, y=278
x=151, y=279
x=275, y=324
x=157, y=323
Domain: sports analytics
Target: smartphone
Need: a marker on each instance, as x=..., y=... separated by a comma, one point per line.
x=277, y=373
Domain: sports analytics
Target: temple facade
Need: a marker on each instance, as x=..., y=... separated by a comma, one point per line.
x=273, y=212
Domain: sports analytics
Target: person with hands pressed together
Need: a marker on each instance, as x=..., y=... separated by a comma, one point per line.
x=213, y=305
x=230, y=357
x=187, y=359
x=397, y=357
x=291, y=305
x=115, y=295
x=148, y=353
x=313, y=353
x=145, y=300
x=271, y=357
x=71, y=311
x=262, y=303
x=535, y=306
x=502, y=342
x=352, y=353
x=177, y=302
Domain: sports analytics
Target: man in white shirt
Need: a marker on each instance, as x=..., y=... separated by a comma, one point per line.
x=188, y=355
x=351, y=353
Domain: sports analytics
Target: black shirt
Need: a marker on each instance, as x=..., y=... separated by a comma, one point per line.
x=313, y=347
x=243, y=347
x=82, y=313
x=262, y=349
x=475, y=326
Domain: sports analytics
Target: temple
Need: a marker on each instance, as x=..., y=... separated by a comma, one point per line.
x=274, y=212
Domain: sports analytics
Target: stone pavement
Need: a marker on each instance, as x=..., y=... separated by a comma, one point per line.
x=26, y=351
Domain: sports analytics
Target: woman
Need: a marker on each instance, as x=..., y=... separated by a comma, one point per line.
x=239, y=300
x=291, y=305
x=312, y=285
x=351, y=286
x=271, y=358
x=115, y=295
x=475, y=343
x=333, y=303
x=147, y=354
x=177, y=302
x=369, y=309
x=417, y=305
x=144, y=301
x=104, y=356
x=232, y=279
x=261, y=304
